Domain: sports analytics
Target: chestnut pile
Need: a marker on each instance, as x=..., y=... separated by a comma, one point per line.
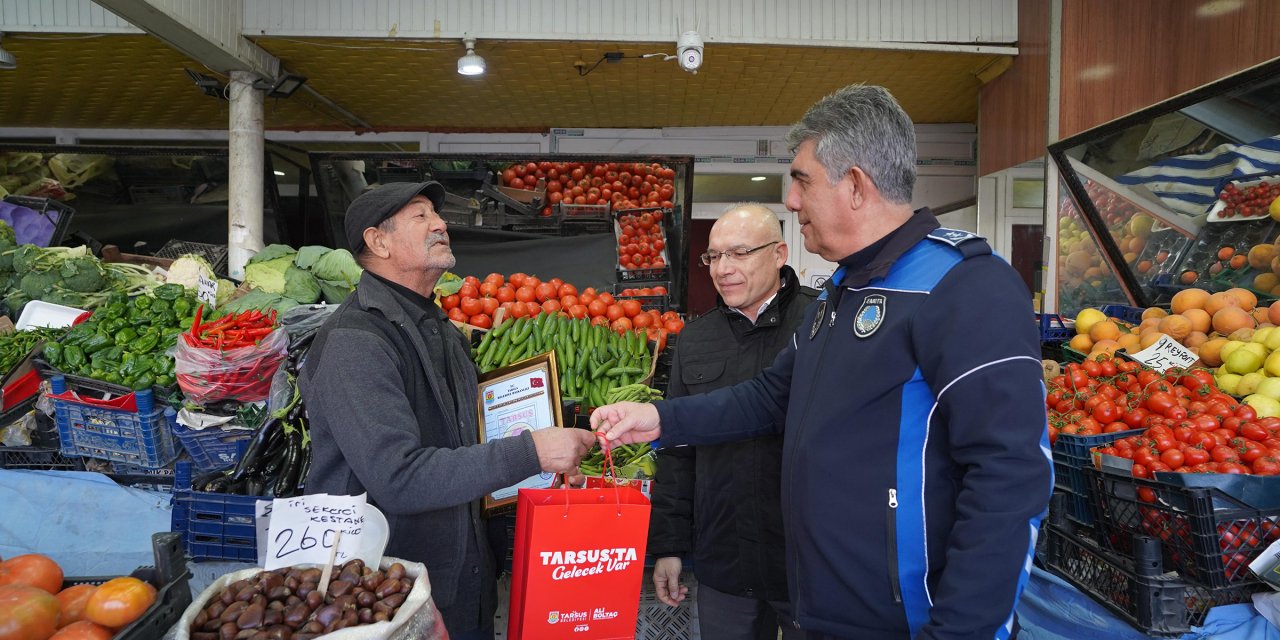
x=286, y=604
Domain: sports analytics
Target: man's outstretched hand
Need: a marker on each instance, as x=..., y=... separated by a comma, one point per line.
x=627, y=422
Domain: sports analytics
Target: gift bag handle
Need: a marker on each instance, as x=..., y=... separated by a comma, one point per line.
x=609, y=470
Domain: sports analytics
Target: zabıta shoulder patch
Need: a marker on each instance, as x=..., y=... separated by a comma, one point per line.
x=953, y=237
x=870, y=316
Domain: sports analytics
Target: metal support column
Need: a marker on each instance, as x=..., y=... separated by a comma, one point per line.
x=246, y=156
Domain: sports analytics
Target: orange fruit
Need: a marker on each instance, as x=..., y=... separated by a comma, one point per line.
x=1105, y=330
x=1176, y=326
x=1230, y=319
x=1219, y=301
x=1153, y=312
x=1188, y=299
x=1245, y=297
x=1200, y=320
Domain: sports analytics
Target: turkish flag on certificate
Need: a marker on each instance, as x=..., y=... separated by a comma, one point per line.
x=578, y=563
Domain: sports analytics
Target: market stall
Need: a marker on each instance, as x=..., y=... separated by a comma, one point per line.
x=1163, y=401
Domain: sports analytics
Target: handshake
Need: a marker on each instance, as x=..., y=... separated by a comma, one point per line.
x=561, y=450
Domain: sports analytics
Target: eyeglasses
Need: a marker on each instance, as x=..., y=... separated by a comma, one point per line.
x=740, y=253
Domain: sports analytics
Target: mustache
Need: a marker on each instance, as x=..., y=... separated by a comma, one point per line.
x=437, y=238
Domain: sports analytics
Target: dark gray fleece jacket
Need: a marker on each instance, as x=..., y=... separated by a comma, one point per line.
x=391, y=395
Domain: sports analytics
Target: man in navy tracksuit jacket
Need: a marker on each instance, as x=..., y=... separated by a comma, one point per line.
x=916, y=463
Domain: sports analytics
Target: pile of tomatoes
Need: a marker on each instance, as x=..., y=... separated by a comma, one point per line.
x=641, y=243
x=625, y=185
x=525, y=295
x=1190, y=426
x=34, y=606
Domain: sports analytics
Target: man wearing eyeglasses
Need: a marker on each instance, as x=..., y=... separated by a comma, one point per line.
x=915, y=463
x=721, y=504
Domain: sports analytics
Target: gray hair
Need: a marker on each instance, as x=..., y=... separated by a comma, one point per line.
x=862, y=125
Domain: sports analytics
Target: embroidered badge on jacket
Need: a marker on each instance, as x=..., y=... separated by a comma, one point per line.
x=870, y=316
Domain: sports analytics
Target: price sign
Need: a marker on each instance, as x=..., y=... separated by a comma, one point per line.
x=303, y=529
x=207, y=290
x=1166, y=354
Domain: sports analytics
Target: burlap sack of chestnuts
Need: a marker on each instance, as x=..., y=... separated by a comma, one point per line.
x=416, y=619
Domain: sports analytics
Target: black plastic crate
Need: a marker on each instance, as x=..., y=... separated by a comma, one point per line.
x=1136, y=589
x=1205, y=535
x=38, y=459
x=1071, y=454
x=659, y=301
x=214, y=254
x=173, y=592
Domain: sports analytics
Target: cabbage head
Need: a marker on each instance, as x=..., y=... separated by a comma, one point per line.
x=300, y=285
x=268, y=275
x=271, y=252
x=309, y=255
x=338, y=266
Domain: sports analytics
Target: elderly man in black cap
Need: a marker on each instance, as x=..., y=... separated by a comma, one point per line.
x=391, y=392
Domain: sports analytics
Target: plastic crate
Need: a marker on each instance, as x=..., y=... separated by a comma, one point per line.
x=135, y=477
x=583, y=211
x=215, y=254
x=661, y=302
x=1053, y=329
x=1189, y=522
x=169, y=394
x=643, y=275
x=173, y=593
x=1132, y=315
x=211, y=448
x=1136, y=590
x=1070, y=456
x=38, y=459
x=658, y=621
x=112, y=430
x=214, y=526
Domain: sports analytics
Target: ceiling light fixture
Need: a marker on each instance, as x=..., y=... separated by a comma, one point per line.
x=757, y=178
x=278, y=172
x=470, y=64
x=283, y=87
x=7, y=61
x=210, y=86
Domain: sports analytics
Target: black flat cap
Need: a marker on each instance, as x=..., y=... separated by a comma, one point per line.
x=380, y=203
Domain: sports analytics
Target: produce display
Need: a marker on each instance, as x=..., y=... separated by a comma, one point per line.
x=1254, y=201
x=475, y=302
x=65, y=276
x=35, y=606
x=280, y=278
x=287, y=604
x=1084, y=279
x=623, y=185
x=641, y=243
x=16, y=345
x=591, y=359
x=232, y=358
x=126, y=341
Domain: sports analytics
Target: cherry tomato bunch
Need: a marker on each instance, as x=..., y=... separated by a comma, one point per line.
x=525, y=295
x=1252, y=201
x=627, y=185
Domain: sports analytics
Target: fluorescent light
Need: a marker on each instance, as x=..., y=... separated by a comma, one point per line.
x=757, y=178
x=1215, y=8
x=278, y=172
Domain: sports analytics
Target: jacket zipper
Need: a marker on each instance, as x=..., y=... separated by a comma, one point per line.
x=892, y=526
x=796, y=606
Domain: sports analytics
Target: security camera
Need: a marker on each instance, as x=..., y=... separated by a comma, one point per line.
x=689, y=51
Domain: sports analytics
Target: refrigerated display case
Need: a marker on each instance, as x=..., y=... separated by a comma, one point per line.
x=1176, y=195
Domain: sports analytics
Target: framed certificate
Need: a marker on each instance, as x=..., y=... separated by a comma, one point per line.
x=523, y=396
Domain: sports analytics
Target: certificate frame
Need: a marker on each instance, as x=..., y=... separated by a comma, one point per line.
x=507, y=399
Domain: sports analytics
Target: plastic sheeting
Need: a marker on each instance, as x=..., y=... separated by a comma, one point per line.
x=1051, y=609
x=86, y=522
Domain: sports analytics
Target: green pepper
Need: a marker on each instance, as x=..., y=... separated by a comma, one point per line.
x=112, y=376
x=125, y=335
x=115, y=310
x=143, y=364
x=182, y=307
x=96, y=343
x=115, y=352
x=144, y=381
x=185, y=323
x=164, y=380
x=169, y=291
x=142, y=302
x=145, y=343
x=73, y=356
x=53, y=354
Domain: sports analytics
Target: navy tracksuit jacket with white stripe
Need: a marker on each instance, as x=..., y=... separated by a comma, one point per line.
x=916, y=464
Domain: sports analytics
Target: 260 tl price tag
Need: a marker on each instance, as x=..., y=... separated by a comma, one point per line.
x=302, y=530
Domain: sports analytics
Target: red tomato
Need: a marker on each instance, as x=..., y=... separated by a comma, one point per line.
x=481, y=320
x=1194, y=455
x=469, y=290
x=471, y=306
x=631, y=308
x=32, y=570
x=525, y=294
x=450, y=302
x=71, y=601
x=27, y=613
x=577, y=311
x=598, y=307
x=119, y=601
x=505, y=294
x=457, y=315
x=490, y=305
x=488, y=289
x=621, y=325
x=83, y=630
x=551, y=306
x=570, y=300
x=544, y=291
x=673, y=326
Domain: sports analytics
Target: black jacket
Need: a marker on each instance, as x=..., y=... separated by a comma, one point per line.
x=391, y=395
x=722, y=502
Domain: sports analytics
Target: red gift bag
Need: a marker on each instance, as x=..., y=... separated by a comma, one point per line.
x=578, y=563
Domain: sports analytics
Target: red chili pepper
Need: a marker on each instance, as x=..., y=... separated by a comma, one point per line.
x=195, y=324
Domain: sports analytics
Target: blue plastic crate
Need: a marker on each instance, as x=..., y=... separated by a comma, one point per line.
x=211, y=448
x=1053, y=329
x=1070, y=456
x=1132, y=315
x=214, y=526
x=88, y=427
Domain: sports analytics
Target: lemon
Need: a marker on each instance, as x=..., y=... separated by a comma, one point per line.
x=1266, y=407
x=1230, y=348
x=1087, y=318
x=1243, y=361
x=1274, y=209
x=1270, y=388
x=1228, y=382
x=1249, y=383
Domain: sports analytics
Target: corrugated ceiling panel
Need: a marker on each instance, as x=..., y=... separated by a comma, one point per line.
x=60, y=16
x=824, y=21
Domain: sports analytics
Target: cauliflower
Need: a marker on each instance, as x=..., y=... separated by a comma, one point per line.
x=187, y=269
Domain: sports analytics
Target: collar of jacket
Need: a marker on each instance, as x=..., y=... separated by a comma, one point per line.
x=376, y=295
x=876, y=260
x=788, y=284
